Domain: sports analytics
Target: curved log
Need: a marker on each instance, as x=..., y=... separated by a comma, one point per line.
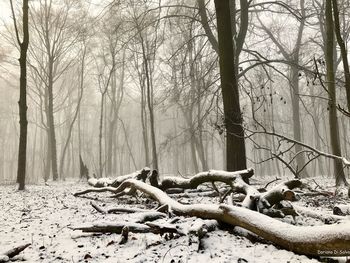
x=105, y=181
x=327, y=240
x=200, y=178
x=6, y=256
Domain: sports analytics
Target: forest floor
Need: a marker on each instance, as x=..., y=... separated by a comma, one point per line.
x=42, y=214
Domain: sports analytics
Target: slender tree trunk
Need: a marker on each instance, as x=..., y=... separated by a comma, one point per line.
x=150, y=105
x=47, y=163
x=100, y=163
x=116, y=97
x=235, y=145
x=332, y=104
x=193, y=150
x=199, y=139
x=51, y=121
x=175, y=146
x=300, y=159
x=343, y=51
x=22, y=103
x=34, y=154
x=70, y=128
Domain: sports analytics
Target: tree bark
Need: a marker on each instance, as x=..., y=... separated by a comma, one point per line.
x=343, y=51
x=22, y=103
x=332, y=103
x=235, y=145
x=51, y=120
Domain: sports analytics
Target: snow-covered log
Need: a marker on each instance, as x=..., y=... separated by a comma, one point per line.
x=324, y=217
x=114, y=182
x=341, y=210
x=140, y=215
x=118, y=209
x=326, y=240
x=200, y=178
x=113, y=227
x=263, y=202
x=6, y=256
x=117, y=227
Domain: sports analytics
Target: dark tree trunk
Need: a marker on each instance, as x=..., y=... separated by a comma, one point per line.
x=332, y=104
x=235, y=146
x=344, y=53
x=22, y=103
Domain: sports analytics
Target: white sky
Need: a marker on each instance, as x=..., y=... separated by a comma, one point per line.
x=5, y=11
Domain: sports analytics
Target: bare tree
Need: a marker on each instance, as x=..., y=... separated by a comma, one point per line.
x=51, y=58
x=235, y=145
x=22, y=103
x=343, y=50
x=332, y=103
x=293, y=56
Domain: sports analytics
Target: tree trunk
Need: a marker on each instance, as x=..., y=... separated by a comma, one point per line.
x=51, y=121
x=116, y=98
x=332, y=103
x=100, y=164
x=47, y=163
x=235, y=145
x=193, y=149
x=70, y=128
x=149, y=92
x=343, y=51
x=22, y=103
x=300, y=159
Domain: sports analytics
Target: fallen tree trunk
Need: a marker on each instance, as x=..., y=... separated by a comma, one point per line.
x=116, y=210
x=140, y=215
x=6, y=256
x=237, y=180
x=341, y=210
x=324, y=217
x=114, y=182
x=200, y=178
x=117, y=227
x=327, y=240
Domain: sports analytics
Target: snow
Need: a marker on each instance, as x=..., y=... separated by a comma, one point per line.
x=42, y=214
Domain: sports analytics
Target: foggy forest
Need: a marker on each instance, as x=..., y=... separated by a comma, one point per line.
x=174, y=131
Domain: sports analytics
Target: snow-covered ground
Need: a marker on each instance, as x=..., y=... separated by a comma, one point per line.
x=42, y=214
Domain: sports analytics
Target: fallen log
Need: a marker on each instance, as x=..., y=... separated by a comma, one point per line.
x=254, y=200
x=341, y=210
x=6, y=256
x=198, y=179
x=324, y=217
x=114, y=182
x=117, y=227
x=199, y=230
x=326, y=240
x=116, y=210
x=113, y=227
x=140, y=215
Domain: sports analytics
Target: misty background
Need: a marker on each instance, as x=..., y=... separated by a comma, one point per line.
x=120, y=115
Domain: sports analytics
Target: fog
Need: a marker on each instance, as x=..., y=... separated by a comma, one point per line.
x=119, y=118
